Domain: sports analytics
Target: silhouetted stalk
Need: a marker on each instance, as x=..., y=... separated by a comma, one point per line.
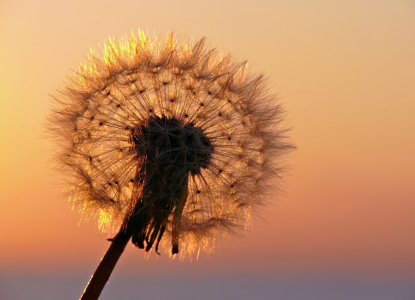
x=103, y=272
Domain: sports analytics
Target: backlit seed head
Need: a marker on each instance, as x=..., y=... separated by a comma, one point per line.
x=173, y=132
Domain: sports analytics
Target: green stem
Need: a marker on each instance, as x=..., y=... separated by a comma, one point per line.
x=103, y=272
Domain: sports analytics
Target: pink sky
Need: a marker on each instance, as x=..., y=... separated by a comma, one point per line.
x=345, y=73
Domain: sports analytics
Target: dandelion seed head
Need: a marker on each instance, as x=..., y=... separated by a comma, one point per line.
x=172, y=131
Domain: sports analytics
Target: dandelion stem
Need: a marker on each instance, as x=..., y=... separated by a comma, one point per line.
x=103, y=272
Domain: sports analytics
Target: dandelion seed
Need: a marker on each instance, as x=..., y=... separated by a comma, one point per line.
x=166, y=142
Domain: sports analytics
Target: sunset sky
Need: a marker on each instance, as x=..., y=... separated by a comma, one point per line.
x=344, y=71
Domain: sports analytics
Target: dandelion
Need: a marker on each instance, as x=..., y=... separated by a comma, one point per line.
x=167, y=142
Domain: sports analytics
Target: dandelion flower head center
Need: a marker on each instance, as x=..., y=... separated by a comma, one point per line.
x=170, y=143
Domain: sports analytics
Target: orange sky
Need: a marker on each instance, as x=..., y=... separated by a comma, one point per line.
x=344, y=71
